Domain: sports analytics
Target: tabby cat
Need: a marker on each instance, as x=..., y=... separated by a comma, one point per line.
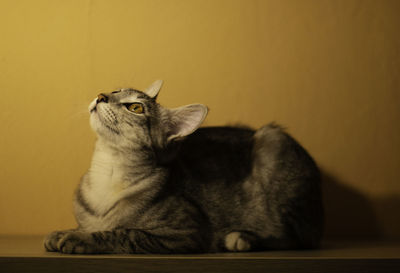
x=160, y=184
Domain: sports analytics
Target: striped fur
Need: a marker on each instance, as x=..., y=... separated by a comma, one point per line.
x=158, y=184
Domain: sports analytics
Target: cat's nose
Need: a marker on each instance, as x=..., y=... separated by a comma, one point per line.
x=102, y=98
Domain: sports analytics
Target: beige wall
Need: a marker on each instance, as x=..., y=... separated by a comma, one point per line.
x=327, y=70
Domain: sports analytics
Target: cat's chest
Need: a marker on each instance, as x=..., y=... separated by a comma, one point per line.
x=107, y=181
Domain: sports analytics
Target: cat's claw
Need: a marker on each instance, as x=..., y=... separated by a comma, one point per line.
x=234, y=242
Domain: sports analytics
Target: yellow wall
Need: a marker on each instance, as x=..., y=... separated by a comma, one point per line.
x=327, y=70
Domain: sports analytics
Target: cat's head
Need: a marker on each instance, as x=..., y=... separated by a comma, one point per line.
x=130, y=118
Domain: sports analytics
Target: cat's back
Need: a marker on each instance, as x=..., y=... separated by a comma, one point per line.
x=219, y=137
x=222, y=153
x=233, y=153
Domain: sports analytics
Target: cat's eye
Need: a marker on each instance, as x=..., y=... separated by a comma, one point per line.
x=136, y=108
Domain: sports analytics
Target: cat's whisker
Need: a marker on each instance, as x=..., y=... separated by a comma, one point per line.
x=81, y=112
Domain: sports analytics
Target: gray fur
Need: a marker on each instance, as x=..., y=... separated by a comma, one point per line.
x=158, y=185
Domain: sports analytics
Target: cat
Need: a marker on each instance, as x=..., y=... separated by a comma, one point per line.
x=160, y=184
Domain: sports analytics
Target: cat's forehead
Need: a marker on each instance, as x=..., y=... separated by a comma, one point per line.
x=130, y=94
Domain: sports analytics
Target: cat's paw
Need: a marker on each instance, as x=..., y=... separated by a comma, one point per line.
x=51, y=240
x=75, y=243
x=235, y=242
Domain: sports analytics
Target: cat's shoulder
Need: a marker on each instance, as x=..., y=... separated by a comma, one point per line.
x=237, y=132
x=219, y=138
x=223, y=133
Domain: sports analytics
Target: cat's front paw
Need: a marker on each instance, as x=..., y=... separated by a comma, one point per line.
x=75, y=243
x=51, y=240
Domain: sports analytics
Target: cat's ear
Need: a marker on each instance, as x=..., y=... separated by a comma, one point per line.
x=154, y=88
x=185, y=120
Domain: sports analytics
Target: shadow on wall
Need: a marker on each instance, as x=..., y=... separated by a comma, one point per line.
x=350, y=214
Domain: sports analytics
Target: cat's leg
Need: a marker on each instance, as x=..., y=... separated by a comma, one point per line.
x=239, y=241
x=126, y=241
x=81, y=242
x=75, y=241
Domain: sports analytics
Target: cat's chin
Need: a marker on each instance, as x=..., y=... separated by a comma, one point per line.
x=98, y=127
x=94, y=121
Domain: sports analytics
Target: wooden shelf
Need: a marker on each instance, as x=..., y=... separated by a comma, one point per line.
x=26, y=254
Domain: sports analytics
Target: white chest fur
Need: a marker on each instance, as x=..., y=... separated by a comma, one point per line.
x=109, y=181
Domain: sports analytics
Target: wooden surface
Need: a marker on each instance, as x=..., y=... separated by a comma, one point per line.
x=26, y=254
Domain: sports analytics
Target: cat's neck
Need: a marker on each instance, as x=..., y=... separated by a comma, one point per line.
x=121, y=166
x=116, y=174
x=106, y=155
